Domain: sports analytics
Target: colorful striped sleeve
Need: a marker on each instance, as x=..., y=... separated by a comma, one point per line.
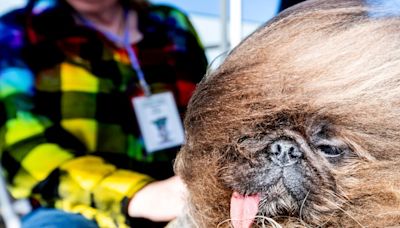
x=40, y=167
x=189, y=56
x=44, y=161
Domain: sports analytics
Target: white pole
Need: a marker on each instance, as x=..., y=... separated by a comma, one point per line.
x=10, y=218
x=224, y=26
x=235, y=26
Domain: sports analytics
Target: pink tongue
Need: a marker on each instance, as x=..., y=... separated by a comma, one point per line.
x=243, y=210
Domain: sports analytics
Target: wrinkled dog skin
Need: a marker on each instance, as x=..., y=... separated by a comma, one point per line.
x=301, y=122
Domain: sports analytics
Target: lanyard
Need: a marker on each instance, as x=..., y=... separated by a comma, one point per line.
x=125, y=42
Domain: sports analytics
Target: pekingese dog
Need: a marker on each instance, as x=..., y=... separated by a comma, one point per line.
x=300, y=126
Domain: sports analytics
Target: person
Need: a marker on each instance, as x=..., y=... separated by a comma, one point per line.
x=79, y=82
x=284, y=4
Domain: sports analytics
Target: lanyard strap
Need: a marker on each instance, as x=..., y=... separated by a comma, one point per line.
x=125, y=42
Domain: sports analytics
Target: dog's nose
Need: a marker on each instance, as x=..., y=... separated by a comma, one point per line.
x=284, y=152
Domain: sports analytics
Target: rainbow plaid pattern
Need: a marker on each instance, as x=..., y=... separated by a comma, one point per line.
x=68, y=134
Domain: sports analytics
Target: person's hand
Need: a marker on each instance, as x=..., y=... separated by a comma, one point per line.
x=159, y=201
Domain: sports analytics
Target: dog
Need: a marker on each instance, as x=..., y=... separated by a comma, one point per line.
x=300, y=125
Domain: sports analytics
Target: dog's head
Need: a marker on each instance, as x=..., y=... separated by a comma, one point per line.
x=301, y=123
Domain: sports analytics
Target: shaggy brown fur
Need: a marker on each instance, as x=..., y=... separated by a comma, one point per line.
x=326, y=75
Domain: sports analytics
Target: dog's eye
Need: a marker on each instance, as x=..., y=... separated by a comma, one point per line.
x=330, y=151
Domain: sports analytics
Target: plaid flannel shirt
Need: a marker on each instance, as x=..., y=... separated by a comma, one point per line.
x=68, y=135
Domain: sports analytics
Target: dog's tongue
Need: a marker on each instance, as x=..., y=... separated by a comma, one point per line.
x=243, y=210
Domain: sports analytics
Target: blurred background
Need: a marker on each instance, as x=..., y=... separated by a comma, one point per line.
x=212, y=19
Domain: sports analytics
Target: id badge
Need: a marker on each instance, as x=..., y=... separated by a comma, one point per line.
x=159, y=121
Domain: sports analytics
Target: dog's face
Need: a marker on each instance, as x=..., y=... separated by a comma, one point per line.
x=300, y=124
x=289, y=167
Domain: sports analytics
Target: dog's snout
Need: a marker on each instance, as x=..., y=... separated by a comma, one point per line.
x=284, y=152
